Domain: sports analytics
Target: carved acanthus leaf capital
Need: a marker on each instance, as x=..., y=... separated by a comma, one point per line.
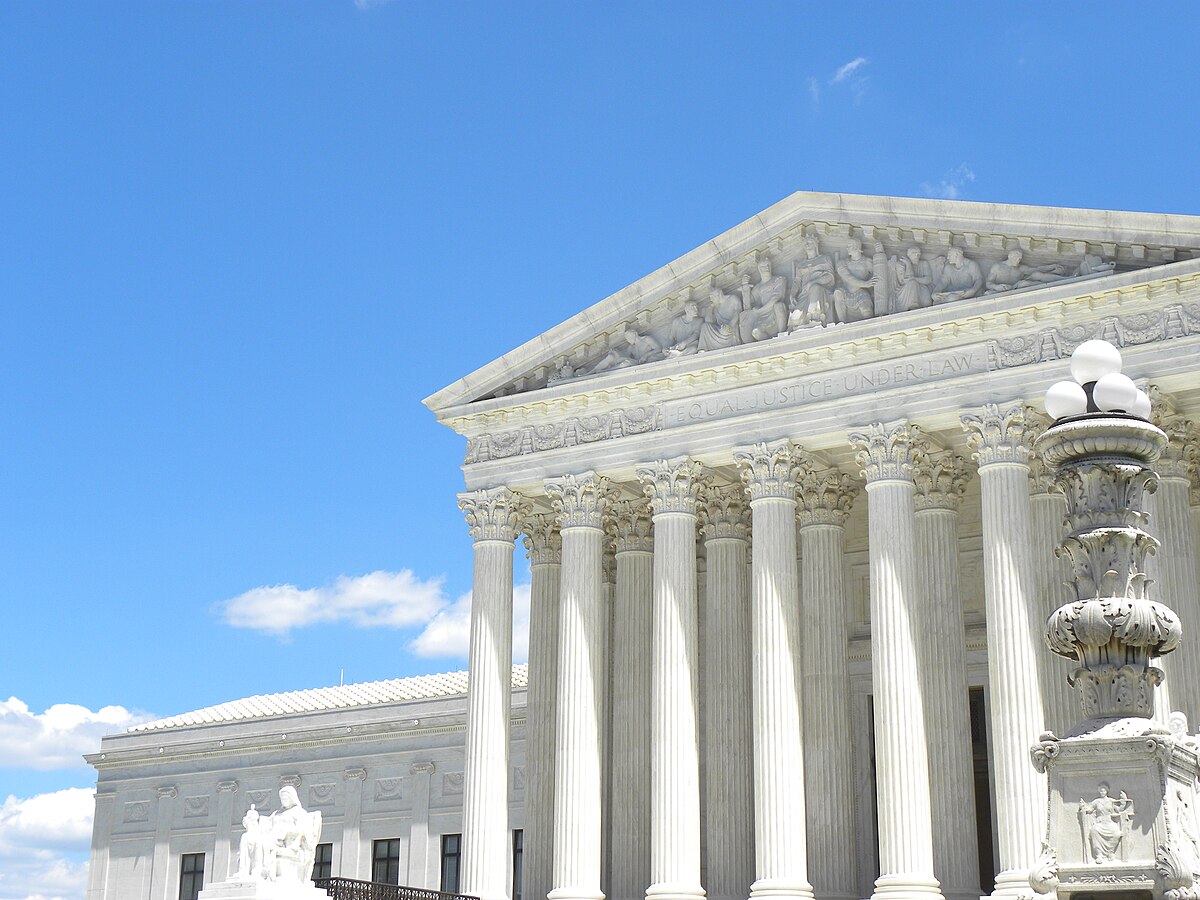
x=769, y=470
x=941, y=478
x=632, y=525
x=494, y=514
x=823, y=495
x=1179, y=457
x=671, y=485
x=543, y=540
x=1000, y=433
x=579, y=500
x=724, y=512
x=886, y=451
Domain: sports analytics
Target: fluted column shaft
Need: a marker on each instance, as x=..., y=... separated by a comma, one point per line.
x=940, y=480
x=885, y=454
x=494, y=517
x=729, y=781
x=1048, y=509
x=780, y=831
x=671, y=486
x=544, y=543
x=578, y=791
x=824, y=497
x=1000, y=436
x=632, y=647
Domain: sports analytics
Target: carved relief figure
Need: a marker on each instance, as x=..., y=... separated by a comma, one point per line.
x=290, y=841
x=812, y=282
x=1105, y=823
x=853, y=301
x=913, y=278
x=250, y=849
x=1010, y=274
x=720, y=322
x=683, y=334
x=638, y=348
x=764, y=306
x=1095, y=265
x=958, y=278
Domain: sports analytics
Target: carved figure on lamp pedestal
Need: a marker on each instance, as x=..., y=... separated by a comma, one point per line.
x=913, y=278
x=633, y=348
x=956, y=277
x=720, y=321
x=683, y=334
x=1105, y=823
x=764, y=306
x=1011, y=274
x=813, y=280
x=854, y=301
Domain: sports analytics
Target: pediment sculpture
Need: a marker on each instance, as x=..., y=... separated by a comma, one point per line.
x=825, y=289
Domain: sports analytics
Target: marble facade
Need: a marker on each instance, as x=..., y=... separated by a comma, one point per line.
x=805, y=446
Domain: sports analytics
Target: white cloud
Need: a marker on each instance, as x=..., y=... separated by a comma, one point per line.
x=58, y=737
x=43, y=845
x=951, y=184
x=848, y=69
x=380, y=599
x=449, y=633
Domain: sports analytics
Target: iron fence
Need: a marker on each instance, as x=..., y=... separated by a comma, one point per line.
x=351, y=889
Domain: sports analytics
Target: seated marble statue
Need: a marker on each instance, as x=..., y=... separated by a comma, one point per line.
x=290, y=838
x=959, y=279
x=635, y=348
x=250, y=847
x=683, y=333
x=855, y=300
x=1011, y=275
x=1091, y=264
x=913, y=279
x=764, y=306
x=812, y=285
x=720, y=321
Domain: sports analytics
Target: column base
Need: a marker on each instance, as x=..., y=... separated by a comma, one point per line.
x=781, y=889
x=907, y=886
x=675, y=891
x=576, y=892
x=973, y=893
x=1012, y=884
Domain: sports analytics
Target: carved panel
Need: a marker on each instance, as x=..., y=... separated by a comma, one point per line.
x=195, y=807
x=136, y=811
x=389, y=789
x=322, y=794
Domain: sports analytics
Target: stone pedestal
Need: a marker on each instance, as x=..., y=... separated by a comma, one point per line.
x=257, y=889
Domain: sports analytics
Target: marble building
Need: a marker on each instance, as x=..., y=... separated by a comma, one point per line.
x=791, y=555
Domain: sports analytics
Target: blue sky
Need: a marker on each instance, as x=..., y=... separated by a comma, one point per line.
x=241, y=242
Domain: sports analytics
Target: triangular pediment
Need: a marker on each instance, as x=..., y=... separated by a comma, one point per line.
x=817, y=261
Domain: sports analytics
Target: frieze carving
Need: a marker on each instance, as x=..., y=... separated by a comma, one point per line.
x=1000, y=433
x=769, y=470
x=671, y=485
x=257, y=798
x=321, y=794
x=493, y=514
x=724, y=512
x=823, y=495
x=886, y=451
x=569, y=433
x=941, y=479
x=579, y=500
x=542, y=540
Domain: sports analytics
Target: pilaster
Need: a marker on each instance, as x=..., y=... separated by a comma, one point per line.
x=222, y=864
x=353, y=863
x=420, y=777
x=160, y=866
x=102, y=822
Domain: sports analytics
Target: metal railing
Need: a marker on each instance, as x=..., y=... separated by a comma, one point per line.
x=351, y=889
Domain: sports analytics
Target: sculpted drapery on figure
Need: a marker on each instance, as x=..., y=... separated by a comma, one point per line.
x=853, y=301
x=958, y=278
x=1011, y=274
x=283, y=847
x=913, y=278
x=764, y=306
x=1105, y=822
x=720, y=322
x=683, y=334
x=813, y=280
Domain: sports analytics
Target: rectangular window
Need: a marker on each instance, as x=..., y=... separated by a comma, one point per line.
x=385, y=864
x=451, y=859
x=191, y=875
x=518, y=852
x=323, y=862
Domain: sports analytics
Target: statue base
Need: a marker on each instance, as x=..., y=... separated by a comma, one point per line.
x=256, y=889
x=1122, y=816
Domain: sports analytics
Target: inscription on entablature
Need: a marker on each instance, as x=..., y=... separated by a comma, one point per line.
x=827, y=386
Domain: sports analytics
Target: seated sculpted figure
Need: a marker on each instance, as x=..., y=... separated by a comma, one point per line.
x=720, y=321
x=1091, y=264
x=683, y=333
x=290, y=840
x=764, y=306
x=854, y=300
x=812, y=285
x=250, y=849
x=960, y=278
x=914, y=280
x=1011, y=274
x=635, y=349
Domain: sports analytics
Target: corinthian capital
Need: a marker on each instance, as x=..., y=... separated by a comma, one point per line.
x=543, y=540
x=941, y=478
x=769, y=470
x=671, y=485
x=1000, y=433
x=632, y=526
x=823, y=496
x=885, y=451
x=1178, y=459
x=494, y=514
x=724, y=512
x=579, y=500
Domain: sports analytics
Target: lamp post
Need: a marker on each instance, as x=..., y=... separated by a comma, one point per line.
x=1121, y=819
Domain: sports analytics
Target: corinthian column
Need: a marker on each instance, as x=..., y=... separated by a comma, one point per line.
x=780, y=833
x=824, y=497
x=940, y=480
x=1000, y=438
x=495, y=518
x=544, y=545
x=729, y=781
x=578, y=791
x=1178, y=581
x=885, y=454
x=671, y=486
x=632, y=625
